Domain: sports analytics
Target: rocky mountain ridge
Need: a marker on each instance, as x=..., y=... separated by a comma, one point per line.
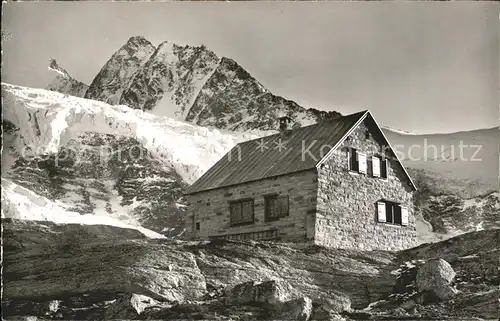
x=118, y=72
x=170, y=80
x=64, y=83
x=192, y=83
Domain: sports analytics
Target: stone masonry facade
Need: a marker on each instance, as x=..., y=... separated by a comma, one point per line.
x=328, y=206
x=211, y=208
x=346, y=215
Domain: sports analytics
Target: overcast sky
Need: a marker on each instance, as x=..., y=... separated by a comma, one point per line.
x=421, y=67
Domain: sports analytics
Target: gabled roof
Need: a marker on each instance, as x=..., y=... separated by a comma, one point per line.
x=301, y=149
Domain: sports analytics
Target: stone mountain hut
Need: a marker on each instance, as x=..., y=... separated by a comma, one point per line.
x=337, y=183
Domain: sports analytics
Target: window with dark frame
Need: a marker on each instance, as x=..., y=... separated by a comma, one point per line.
x=241, y=212
x=276, y=206
x=372, y=166
x=369, y=166
x=357, y=161
x=197, y=226
x=383, y=167
x=392, y=213
x=378, y=166
x=353, y=160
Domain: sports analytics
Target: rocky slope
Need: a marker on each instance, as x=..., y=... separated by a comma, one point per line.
x=103, y=161
x=469, y=157
x=455, y=206
x=457, y=179
x=64, y=83
x=99, y=272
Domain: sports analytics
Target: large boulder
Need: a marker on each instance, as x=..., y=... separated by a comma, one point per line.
x=129, y=306
x=258, y=292
x=43, y=260
x=298, y=309
x=281, y=301
x=434, y=278
x=333, y=277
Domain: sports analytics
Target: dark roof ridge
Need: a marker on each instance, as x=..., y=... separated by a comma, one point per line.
x=302, y=127
x=272, y=157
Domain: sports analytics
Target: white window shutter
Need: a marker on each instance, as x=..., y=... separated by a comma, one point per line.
x=376, y=166
x=404, y=215
x=381, y=212
x=362, y=162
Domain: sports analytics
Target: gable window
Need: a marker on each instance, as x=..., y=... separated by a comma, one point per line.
x=276, y=207
x=378, y=167
x=357, y=161
x=362, y=164
x=353, y=160
x=241, y=212
x=392, y=213
x=375, y=166
x=383, y=168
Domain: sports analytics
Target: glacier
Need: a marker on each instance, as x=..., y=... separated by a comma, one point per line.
x=42, y=125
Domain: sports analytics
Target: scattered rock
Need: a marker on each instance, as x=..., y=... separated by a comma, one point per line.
x=321, y=312
x=34, y=308
x=337, y=302
x=408, y=305
x=434, y=278
x=129, y=306
x=482, y=305
x=450, y=258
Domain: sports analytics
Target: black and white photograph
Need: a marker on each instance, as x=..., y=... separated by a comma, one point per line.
x=260, y=160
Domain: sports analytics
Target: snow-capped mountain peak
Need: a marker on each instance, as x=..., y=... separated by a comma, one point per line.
x=170, y=80
x=192, y=83
x=116, y=74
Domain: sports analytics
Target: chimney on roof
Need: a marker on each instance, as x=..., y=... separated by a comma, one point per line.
x=285, y=123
